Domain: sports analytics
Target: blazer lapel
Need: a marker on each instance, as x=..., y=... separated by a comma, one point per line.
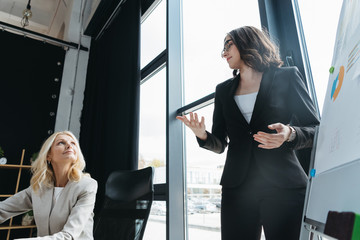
x=264, y=90
x=45, y=205
x=233, y=105
x=57, y=206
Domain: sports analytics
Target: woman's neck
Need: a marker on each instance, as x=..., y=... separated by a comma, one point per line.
x=61, y=178
x=61, y=182
x=249, y=81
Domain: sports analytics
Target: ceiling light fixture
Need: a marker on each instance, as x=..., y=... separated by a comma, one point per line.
x=27, y=14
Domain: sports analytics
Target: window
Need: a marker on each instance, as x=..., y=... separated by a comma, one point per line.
x=156, y=225
x=153, y=34
x=204, y=169
x=204, y=32
x=152, y=129
x=152, y=138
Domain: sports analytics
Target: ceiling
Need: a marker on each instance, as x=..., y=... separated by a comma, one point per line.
x=49, y=17
x=52, y=17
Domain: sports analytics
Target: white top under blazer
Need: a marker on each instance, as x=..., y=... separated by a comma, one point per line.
x=246, y=104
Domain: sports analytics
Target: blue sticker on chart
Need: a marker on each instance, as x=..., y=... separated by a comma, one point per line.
x=312, y=172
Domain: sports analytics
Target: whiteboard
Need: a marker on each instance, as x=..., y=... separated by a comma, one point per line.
x=339, y=133
x=335, y=190
x=336, y=183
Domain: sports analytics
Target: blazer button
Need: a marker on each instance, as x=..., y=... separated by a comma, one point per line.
x=250, y=133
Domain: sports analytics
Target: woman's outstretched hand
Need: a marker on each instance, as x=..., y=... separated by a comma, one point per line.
x=273, y=140
x=193, y=123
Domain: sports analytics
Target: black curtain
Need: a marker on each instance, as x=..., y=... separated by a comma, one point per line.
x=30, y=80
x=110, y=118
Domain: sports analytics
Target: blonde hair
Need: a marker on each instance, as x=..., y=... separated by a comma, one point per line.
x=42, y=171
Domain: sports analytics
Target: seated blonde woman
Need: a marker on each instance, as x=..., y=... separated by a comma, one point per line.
x=61, y=195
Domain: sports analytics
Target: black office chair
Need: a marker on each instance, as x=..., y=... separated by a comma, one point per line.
x=128, y=199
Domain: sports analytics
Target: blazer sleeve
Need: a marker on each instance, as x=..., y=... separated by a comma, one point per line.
x=15, y=205
x=217, y=140
x=304, y=118
x=79, y=216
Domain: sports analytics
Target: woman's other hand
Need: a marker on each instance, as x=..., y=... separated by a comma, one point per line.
x=273, y=140
x=193, y=123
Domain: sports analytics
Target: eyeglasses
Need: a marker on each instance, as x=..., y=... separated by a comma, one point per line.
x=227, y=46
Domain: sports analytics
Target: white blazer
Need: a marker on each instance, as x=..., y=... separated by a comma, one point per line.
x=70, y=218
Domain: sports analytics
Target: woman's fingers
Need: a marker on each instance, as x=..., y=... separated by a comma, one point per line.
x=268, y=144
x=183, y=119
x=272, y=140
x=268, y=140
x=193, y=121
x=276, y=126
x=268, y=136
x=196, y=117
x=198, y=123
x=281, y=129
x=202, y=121
x=191, y=117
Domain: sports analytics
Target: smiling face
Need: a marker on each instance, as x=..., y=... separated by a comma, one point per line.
x=231, y=54
x=63, y=152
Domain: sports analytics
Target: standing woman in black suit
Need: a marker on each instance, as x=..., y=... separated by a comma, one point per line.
x=262, y=114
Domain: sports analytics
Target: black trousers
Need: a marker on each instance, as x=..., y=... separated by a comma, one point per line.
x=257, y=203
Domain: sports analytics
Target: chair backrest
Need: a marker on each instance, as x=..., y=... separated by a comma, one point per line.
x=128, y=199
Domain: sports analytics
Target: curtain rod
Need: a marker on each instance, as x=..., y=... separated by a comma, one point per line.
x=110, y=19
x=39, y=36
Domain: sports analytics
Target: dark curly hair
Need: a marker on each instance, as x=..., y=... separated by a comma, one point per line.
x=256, y=49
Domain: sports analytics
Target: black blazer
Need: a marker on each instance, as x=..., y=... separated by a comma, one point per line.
x=283, y=98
